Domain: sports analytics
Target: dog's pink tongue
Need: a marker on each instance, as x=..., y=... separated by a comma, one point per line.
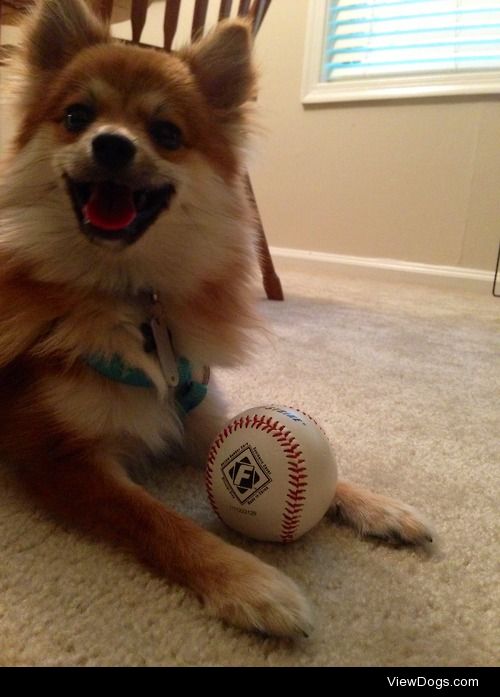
x=110, y=207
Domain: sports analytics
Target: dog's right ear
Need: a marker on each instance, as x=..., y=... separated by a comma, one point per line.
x=222, y=64
x=58, y=30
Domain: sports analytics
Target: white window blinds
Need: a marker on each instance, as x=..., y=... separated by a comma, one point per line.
x=381, y=38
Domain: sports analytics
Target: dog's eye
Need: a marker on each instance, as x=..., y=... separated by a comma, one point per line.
x=78, y=117
x=166, y=134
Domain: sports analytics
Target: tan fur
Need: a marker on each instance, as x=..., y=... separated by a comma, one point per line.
x=70, y=431
x=375, y=515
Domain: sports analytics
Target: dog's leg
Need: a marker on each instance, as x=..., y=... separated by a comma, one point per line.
x=379, y=516
x=97, y=495
x=202, y=425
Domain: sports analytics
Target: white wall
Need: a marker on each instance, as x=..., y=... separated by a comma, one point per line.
x=416, y=181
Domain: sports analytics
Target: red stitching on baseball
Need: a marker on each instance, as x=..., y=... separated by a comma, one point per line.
x=297, y=476
x=294, y=495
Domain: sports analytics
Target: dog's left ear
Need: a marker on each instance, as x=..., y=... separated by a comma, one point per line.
x=222, y=64
x=58, y=30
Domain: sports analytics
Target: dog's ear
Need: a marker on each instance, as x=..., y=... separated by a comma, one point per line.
x=58, y=30
x=222, y=64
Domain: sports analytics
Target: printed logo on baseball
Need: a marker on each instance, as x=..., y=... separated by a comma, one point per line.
x=271, y=473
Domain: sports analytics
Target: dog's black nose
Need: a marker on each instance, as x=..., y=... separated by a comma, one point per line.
x=113, y=151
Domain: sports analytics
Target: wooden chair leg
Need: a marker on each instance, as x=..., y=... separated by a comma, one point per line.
x=272, y=283
x=138, y=18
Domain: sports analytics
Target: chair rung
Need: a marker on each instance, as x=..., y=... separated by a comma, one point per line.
x=199, y=18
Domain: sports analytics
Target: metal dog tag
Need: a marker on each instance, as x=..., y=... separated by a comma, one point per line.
x=165, y=352
x=164, y=348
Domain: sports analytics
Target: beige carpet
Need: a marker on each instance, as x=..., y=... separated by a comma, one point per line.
x=405, y=379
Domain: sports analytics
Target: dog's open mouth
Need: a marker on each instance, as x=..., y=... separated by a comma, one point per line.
x=116, y=212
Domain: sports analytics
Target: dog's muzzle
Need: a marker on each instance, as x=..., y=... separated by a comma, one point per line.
x=110, y=208
x=112, y=211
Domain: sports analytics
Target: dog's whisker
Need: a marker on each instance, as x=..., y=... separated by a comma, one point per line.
x=212, y=212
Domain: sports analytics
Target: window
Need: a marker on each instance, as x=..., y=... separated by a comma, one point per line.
x=380, y=49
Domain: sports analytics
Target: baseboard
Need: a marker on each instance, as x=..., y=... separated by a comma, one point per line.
x=389, y=267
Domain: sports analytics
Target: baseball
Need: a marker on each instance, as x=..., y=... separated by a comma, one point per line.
x=271, y=473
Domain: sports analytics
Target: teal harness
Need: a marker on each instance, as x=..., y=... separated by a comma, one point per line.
x=188, y=393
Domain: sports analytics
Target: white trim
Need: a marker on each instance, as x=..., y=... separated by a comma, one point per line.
x=403, y=87
x=386, y=265
x=315, y=38
x=391, y=87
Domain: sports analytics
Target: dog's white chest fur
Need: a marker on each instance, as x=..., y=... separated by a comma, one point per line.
x=102, y=408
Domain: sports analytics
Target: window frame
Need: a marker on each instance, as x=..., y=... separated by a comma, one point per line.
x=414, y=86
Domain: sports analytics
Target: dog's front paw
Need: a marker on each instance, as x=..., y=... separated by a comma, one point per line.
x=250, y=594
x=375, y=515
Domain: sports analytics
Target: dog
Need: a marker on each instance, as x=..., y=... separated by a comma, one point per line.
x=126, y=251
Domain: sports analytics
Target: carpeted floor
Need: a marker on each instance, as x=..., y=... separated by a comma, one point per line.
x=405, y=379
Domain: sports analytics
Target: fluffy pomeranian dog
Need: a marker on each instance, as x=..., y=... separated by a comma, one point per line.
x=126, y=256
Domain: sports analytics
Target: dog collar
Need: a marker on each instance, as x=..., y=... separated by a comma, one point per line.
x=188, y=394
